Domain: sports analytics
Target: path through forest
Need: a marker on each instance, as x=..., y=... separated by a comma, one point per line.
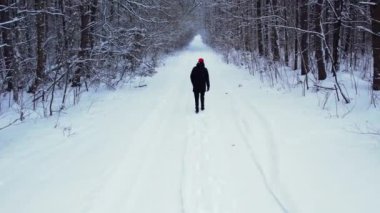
x=144, y=150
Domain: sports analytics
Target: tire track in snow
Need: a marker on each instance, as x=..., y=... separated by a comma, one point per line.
x=129, y=176
x=200, y=187
x=210, y=182
x=182, y=181
x=245, y=128
x=184, y=166
x=193, y=165
x=135, y=158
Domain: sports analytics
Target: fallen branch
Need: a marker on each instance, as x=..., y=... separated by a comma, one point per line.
x=322, y=87
x=10, y=124
x=140, y=86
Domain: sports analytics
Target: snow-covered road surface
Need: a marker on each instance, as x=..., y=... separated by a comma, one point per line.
x=144, y=150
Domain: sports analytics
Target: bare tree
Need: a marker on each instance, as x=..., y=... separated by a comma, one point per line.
x=47, y=44
x=318, y=41
x=336, y=7
x=85, y=41
x=304, y=37
x=274, y=33
x=259, y=28
x=318, y=33
x=7, y=46
x=376, y=44
x=40, y=52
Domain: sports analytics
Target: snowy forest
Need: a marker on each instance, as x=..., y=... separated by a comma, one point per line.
x=54, y=45
x=189, y=106
x=321, y=37
x=50, y=45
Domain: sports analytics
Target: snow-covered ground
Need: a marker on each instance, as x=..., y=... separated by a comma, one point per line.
x=140, y=150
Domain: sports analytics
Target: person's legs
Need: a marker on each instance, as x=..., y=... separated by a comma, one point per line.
x=196, y=97
x=202, y=100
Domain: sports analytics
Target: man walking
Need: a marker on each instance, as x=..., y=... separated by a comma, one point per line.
x=200, y=80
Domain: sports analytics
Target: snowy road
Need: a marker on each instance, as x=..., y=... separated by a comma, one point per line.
x=183, y=162
x=145, y=150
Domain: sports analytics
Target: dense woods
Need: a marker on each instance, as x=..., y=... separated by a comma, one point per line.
x=67, y=46
x=321, y=37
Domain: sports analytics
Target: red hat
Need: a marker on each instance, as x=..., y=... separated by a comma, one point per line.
x=200, y=60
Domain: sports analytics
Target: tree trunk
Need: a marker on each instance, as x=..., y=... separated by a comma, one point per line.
x=8, y=51
x=376, y=45
x=318, y=42
x=337, y=28
x=93, y=8
x=274, y=37
x=85, y=42
x=286, y=33
x=296, y=41
x=39, y=5
x=259, y=28
x=304, y=38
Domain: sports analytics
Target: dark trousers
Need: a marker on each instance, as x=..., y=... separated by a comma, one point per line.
x=196, y=96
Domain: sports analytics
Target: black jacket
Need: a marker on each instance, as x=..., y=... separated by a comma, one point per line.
x=199, y=78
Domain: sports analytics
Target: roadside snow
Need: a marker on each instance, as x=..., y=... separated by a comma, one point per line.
x=145, y=150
